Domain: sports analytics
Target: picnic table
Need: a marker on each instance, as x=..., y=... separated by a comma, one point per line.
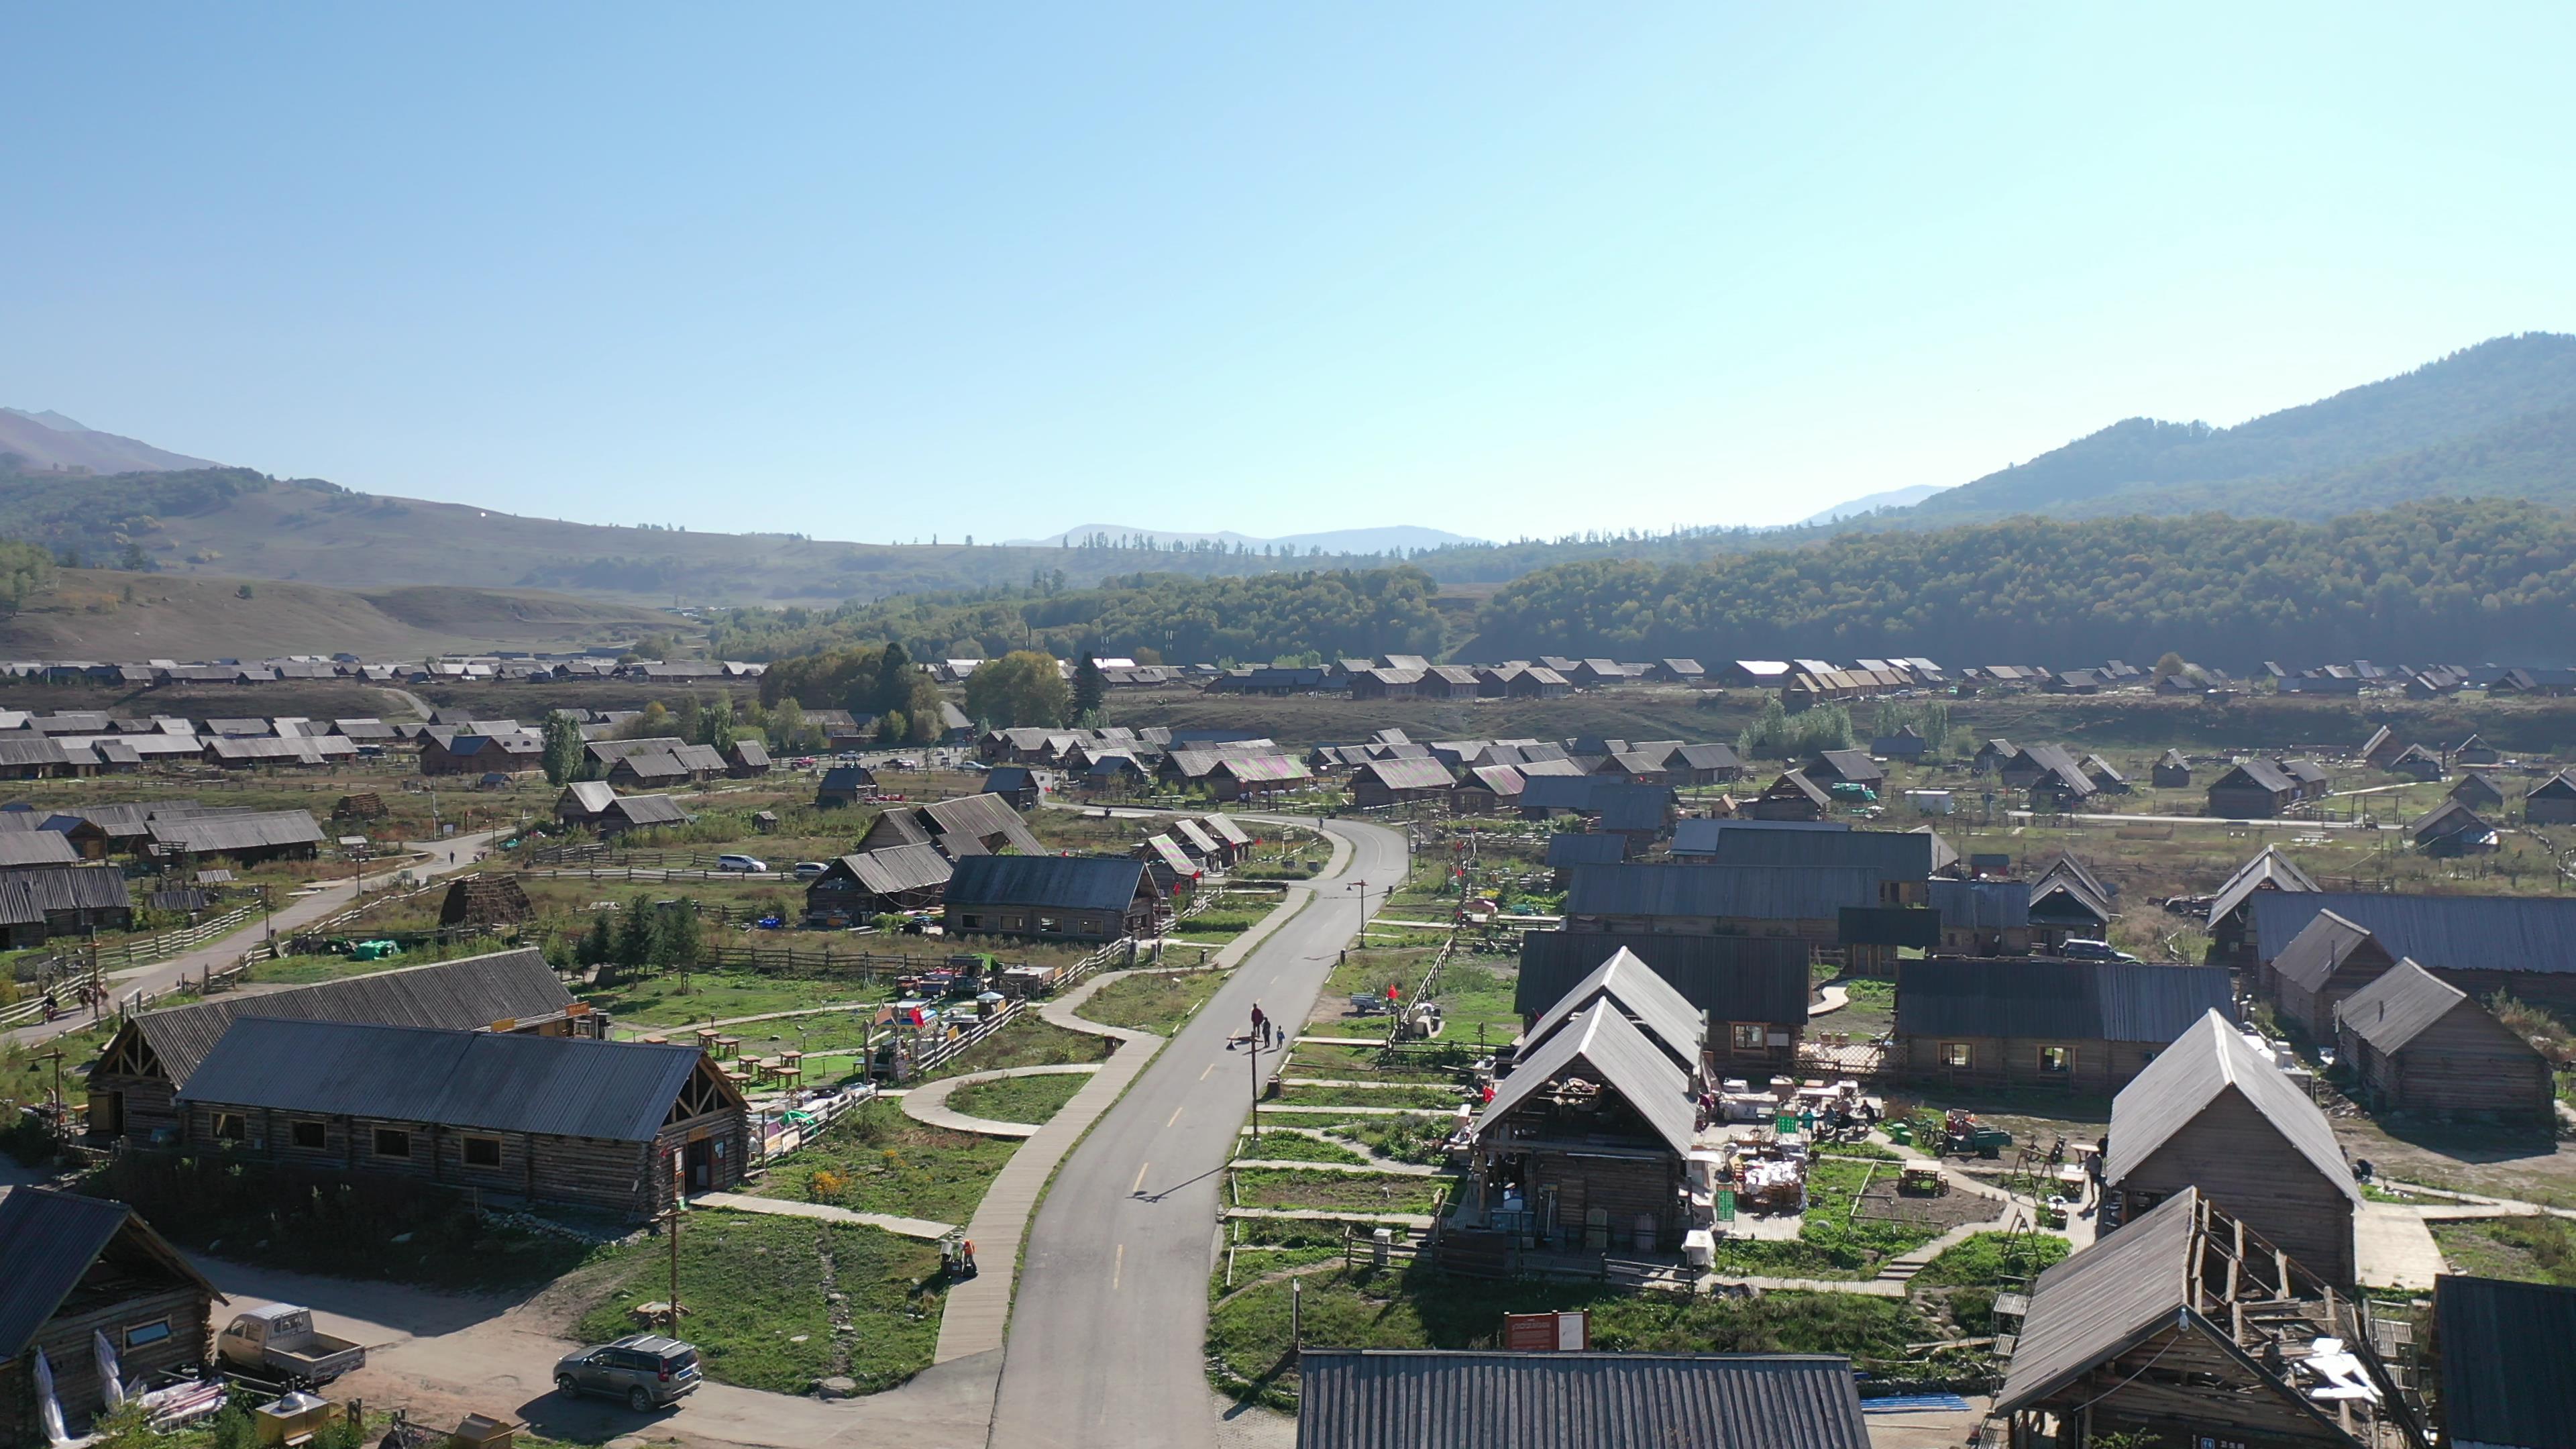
x=727, y=1046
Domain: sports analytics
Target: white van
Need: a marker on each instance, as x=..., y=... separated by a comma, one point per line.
x=741, y=862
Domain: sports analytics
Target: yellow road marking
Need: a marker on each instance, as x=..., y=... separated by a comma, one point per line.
x=1140, y=1179
x=1119, y=1268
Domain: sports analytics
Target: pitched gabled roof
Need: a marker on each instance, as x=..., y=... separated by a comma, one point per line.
x=562, y=1086
x=1730, y=978
x=2056, y=1000
x=647, y=810
x=2261, y=774
x=2269, y=870
x=48, y=1240
x=982, y=816
x=590, y=797
x=1425, y=1399
x=471, y=991
x=1641, y=995
x=2507, y=1377
x=1065, y=882
x=2203, y=1064
x=207, y=834
x=1622, y=1058
x=1565, y=850
x=2509, y=933
x=36, y=847
x=1754, y=892
x=895, y=868
x=1224, y=828
x=2398, y=1005
x=2097, y=1304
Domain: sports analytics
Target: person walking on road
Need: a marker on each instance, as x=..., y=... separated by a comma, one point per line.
x=1260, y=1028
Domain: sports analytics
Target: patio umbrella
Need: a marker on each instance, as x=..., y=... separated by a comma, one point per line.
x=111, y=1380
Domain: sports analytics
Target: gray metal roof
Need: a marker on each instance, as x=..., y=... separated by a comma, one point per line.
x=472, y=991
x=982, y=816
x=1731, y=978
x=1063, y=882
x=562, y=1086
x=2268, y=871
x=1982, y=905
x=48, y=1239
x=2491, y=933
x=587, y=796
x=2103, y=1301
x=212, y=834
x=1699, y=837
x=1753, y=892
x=27, y=894
x=2261, y=774
x=1426, y=1399
x=1420, y=774
x=36, y=847
x=1889, y=854
x=2507, y=1375
x=1565, y=850
x=2320, y=947
x=2056, y=1000
x=2204, y=1063
x=1223, y=826
x=1608, y=1046
x=1644, y=997
x=648, y=810
x=893, y=869
x=2395, y=1008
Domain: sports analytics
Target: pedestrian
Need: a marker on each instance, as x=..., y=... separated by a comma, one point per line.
x=51, y=1006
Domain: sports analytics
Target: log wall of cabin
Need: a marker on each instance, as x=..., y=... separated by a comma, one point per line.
x=2099, y=1067
x=2314, y=1010
x=1624, y=1187
x=2242, y=1164
x=2468, y=1064
x=65, y=1339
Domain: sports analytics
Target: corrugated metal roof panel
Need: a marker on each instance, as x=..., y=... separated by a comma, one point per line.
x=1565, y=850
x=2202, y=1064
x=469, y=992
x=1063, y=882
x=1751, y=892
x=1731, y=978
x=2056, y=1000
x=213, y=834
x=1411, y=1399
x=2269, y=870
x=2507, y=1375
x=1606, y=1044
x=1982, y=905
x=560, y=1086
x=897, y=868
x=1889, y=854
x=2103, y=1300
x=2484, y=933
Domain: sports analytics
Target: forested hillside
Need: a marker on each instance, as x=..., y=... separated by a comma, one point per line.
x=2431, y=581
x=2291, y=458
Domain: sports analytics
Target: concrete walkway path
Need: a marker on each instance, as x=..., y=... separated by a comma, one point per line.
x=1832, y=998
x=1419, y=1222
x=928, y=1103
x=785, y=1207
x=2392, y=1248
x=1290, y=1164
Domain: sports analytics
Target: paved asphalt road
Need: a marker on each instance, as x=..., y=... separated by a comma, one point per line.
x=1107, y=1337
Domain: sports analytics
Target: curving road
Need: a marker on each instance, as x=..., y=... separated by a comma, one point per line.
x=1107, y=1337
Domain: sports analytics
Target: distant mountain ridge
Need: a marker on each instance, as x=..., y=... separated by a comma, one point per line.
x=48, y=440
x=1872, y=502
x=2427, y=433
x=1332, y=541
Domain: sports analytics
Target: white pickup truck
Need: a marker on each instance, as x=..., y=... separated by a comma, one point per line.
x=280, y=1341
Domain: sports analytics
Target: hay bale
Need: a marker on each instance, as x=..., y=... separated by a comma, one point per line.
x=485, y=900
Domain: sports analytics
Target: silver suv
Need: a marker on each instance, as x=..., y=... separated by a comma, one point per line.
x=647, y=1370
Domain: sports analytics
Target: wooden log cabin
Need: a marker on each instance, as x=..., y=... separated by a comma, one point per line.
x=2231, y=910
x=152, y=1055
x=1592, y=1131
x=2213, y=1113
x=2082, y=1026
x=2523, y=946
x=856, y=888
x=618, y=1125
x=2415, y=1043
x=1048, y=897
x=73, y=1269
x=2189, y=1327
x=1750, y=992
x=2325, y=963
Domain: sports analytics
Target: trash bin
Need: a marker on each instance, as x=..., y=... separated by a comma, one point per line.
x=1902, y=1134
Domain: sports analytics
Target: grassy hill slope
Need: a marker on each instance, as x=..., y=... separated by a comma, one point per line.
x=124, y=617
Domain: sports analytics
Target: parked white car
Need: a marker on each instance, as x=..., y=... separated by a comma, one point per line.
x=741, y=862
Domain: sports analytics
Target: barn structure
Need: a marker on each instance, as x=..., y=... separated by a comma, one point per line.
x=2415, y=1043
x=2084, y=1026
x=1073, y=898
x=2523, y=946
x=2211, y=1112
x=620, y=1125
x=1592, y=1130
x=1750, y=992
x=154, y=1053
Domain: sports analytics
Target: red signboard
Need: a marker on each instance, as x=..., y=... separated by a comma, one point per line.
x=1547, y=1332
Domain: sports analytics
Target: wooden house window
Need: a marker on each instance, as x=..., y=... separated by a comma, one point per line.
x=1049, y=925
x=229, y=1127
x=970, y=923
x=1958, y=1054
x=2056, y=1061
x=482, y=1151
x=307, y=1135
x=1747, y=1035
x=138, y=1335
x=392, y=1142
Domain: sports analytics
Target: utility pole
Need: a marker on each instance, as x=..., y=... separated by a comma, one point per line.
x=1256, y=1091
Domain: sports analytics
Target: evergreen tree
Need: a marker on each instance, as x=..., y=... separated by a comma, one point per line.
x=1089, y=689
x=894, y=680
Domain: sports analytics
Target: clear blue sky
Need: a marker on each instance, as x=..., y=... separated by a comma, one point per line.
x=1002, y=270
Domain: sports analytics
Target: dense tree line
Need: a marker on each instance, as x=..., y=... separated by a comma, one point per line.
x=1258, y=617
x=2432, y=581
